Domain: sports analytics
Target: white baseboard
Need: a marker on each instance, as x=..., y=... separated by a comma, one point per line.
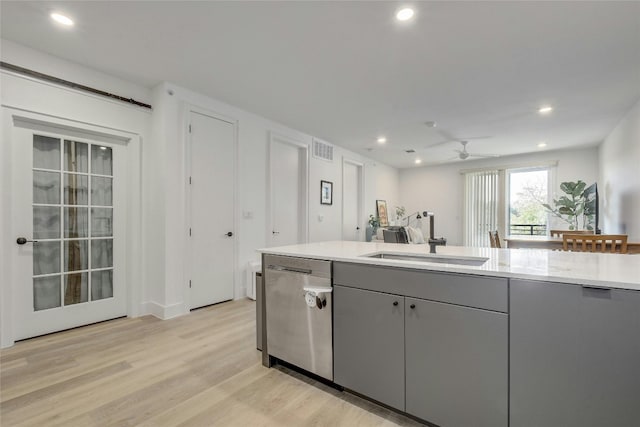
x=165, y=312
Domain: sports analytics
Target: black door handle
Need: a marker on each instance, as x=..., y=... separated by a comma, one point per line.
x=230, y=234
x=23, y=240
x=412, y=306
x=395, y=303
x=357, y=228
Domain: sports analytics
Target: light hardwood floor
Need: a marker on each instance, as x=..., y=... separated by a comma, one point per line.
x=196, y=370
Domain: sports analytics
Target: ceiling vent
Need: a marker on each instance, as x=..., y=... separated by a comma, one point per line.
x=322, y=150
x=410, y=151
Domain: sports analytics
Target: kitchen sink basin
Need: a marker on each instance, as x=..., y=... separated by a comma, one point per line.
x=475, y=261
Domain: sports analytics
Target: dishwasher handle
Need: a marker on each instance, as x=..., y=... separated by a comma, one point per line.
x=290, y=269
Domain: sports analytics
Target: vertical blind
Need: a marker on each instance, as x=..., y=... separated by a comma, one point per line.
x=481, y=206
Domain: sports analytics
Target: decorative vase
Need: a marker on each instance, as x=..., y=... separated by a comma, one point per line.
x=369, y=232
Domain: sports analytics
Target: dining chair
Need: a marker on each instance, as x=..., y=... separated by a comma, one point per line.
x=559, y=233
x=494, y=239
x=614, y=243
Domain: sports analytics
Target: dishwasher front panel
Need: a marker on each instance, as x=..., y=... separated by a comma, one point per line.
x=298, y=333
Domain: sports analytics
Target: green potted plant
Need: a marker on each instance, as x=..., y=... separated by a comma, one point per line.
x=577, y=208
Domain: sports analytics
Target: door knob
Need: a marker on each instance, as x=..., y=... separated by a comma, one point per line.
x=275, y=232
x=357, y=228
x=395, y=303
x=23, y=240
x=412, y=306
x=230, y=234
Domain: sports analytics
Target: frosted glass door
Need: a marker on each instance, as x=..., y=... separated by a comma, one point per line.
x=72, y=244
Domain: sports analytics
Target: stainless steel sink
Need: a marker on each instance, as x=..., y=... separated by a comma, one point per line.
x=476, y=261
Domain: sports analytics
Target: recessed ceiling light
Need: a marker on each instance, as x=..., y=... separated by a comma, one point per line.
x=404, y=14
x=542, y=145
x=545, y=110
x=418, y=161
x=64, y=20
x=382, y=140
x=431, y=124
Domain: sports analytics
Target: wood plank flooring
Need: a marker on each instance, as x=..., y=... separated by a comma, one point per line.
x=196, y=370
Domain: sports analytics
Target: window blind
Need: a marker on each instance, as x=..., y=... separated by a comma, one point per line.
x=481, y=206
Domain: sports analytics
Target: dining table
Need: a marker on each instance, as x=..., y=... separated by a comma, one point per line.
x=548, y=242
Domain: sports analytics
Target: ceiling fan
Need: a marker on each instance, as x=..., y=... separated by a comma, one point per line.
x=464, y=154
x=449, y=138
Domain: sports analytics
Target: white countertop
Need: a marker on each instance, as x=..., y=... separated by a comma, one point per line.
x=607, y=270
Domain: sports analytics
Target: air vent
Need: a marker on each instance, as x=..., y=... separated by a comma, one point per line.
x=410, y=151
x=322, y=150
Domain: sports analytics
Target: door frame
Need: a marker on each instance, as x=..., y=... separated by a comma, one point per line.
x=361, y=184
x=303, y=208
x=186, y=151
x=14, y=118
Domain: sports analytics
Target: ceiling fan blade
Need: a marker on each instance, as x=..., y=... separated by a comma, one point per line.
x=441, y=143
x=484, y=156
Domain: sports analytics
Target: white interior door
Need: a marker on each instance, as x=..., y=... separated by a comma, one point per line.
x=288, y=192
x=69, y=221
x=352, y=201
x=212, y=238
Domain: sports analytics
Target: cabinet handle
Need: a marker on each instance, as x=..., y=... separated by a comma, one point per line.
x=412, y=306
x=395, y=303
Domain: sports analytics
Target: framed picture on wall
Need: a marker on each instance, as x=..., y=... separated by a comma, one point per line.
x=326, y=193
x=381, y=207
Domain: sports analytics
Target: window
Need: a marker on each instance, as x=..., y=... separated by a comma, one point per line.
x=528, y=189
x=509, y=200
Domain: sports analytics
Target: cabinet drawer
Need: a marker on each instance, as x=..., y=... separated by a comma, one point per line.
x=489, y=293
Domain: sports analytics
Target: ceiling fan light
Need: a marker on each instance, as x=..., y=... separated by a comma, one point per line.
x=546, y=109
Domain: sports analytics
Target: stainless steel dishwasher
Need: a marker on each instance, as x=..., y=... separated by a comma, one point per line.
x=297, y=293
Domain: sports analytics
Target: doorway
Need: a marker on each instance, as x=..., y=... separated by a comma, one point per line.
x=70, y=217
x=352, y=194
x=211, y=206
x=288, y=191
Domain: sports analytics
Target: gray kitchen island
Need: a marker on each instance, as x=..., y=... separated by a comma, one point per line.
x=465, y=337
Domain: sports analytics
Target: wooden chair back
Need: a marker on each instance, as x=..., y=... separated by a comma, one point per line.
x=614, y=243
x=494, y=239
x=560, y=233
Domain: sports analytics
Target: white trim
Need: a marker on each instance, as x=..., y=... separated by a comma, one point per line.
x=186, y=153
x=274, y=136
x=165, y=312
x=361, y=220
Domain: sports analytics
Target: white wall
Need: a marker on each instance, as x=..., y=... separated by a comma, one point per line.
x=619, y=184
x=49, y=103
x=441, y=188
x=169, y=129
x=161, y=160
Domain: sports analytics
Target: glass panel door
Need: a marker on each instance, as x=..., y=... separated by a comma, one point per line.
x=72, y=222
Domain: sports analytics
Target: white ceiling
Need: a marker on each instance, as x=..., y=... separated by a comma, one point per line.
x=347, y=72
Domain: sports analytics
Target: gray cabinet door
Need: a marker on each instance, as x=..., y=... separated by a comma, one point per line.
x=369, y=344
x=575, y=355
x=456, y=364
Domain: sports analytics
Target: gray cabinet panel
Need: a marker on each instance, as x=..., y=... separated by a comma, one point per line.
x=368, y=334
x=574, y=355
x=456, y=364
x=490, y=293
